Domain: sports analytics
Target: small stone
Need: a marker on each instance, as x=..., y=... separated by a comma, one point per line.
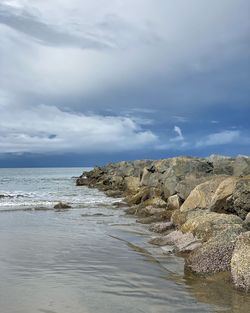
x=182, y=242
x=174, y=202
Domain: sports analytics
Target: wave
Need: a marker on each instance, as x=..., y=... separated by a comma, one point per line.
x=11, y=195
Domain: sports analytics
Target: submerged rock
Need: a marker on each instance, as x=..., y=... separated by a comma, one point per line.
x=61, y=205
x=182, y=242
x=240, y=263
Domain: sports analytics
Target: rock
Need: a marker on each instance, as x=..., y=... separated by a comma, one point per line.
x=241, y=197
x=214, y=255
x=190, y=246
x=168, y=249
x=116, y=182
x=132, y=210
x=174, y=202
x=202, y=194
x=204, y=224
x=221, y=164
x=150, y=219
x=232, y=195
x=113, y=193
x=155, y=202
x=241, y=166
x=120, y=204
x=147, y=177
x=224, y=190
x=132, y=184
x=161, y=227
x=142, y=195
x=185, y=186
x=246, y=222
x=82, y=181
x=240, y=263
x=178, y=218
x=182, y=242
x=61, y=205
x=150, y=210
x=196, y=193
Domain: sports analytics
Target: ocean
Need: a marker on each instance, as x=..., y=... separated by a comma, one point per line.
x=91, y=258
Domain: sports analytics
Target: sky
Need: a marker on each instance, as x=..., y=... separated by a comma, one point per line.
x=95, y=81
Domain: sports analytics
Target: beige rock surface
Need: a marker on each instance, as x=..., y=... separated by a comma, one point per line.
x=240, y=263
x=201, y=195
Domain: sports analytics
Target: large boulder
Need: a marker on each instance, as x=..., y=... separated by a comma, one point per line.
x=241, y=197
x=232, y=195
x=168, y=173
x=204, y=224
x=142, y=195
x=240, y=263
x=215, y=254
x=202, y=194
x=225, y=189
x=185, y=186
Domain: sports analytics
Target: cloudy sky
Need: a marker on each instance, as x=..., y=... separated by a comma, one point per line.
x=86, y=82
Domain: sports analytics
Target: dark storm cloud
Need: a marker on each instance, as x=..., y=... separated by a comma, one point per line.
x=141, y=74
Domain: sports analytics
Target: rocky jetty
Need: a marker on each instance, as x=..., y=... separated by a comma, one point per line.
x=200, y=206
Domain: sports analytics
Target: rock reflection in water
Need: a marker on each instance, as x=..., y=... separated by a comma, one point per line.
x=217, y=290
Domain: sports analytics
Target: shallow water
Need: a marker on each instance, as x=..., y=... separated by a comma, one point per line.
x=91, y=258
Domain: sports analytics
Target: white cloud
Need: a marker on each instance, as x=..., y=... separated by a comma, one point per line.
x=46, y=129
x=179, y=136
x=220, y=138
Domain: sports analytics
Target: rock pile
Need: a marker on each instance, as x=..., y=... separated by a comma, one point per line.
x=207, y=200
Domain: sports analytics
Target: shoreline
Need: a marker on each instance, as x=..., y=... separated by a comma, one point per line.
x=198, y=206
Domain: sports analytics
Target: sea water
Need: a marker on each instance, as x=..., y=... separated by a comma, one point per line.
x=91, y=258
